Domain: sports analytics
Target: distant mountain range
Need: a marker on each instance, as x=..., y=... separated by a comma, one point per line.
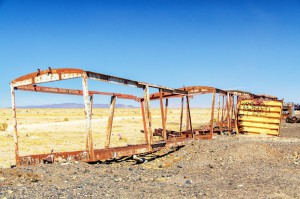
x=75, y=105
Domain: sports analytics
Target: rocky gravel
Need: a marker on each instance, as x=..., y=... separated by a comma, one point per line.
x=227, y=167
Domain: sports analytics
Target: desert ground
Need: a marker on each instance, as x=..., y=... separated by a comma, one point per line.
x=41, y=130
x=235, y=166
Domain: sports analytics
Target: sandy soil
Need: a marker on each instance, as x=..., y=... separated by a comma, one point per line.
x=41, y=130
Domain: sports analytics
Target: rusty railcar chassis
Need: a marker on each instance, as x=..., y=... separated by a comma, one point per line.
x=226, y=113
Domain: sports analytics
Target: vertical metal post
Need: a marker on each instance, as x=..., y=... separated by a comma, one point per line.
x=212, y=114
x=87, y=104
x=110, y=120
x=181, y=114
x=189, y=115
x=92, y=102
x=236, y=116
x=233, y=108
x=223, y=112
x=148, y=114
x=166, y=110
x=232, y=111
x=15, y=125
x=144, y=123
x=164, y=133
x=91, y=113
x=222, y=118
x=226, y=107
x=218, y=118
x=228, y=112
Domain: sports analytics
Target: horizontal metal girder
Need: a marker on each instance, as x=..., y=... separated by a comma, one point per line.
x=44, y=89
x=191, y=90
x=239, y=92
x=127, y=82
x=264, y=96
x=156, y=96
x=101, y=154
x=49, y=75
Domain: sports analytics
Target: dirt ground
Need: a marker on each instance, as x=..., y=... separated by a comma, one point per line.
x=227, y=167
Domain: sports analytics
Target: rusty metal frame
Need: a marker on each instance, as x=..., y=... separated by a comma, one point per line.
x=232, y=106
x=192, y=91
x=44, y=89
x=199, y=90
x=30, y=82
x=266, y=97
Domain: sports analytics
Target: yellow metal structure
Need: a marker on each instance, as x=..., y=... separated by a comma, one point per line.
x=259, y=116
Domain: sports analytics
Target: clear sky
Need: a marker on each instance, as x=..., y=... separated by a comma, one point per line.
x=234, y=44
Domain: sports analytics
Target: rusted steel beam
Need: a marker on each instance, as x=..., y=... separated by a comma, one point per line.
x=280, y=121
x=212, y=115
x=198, y=89
x=219, y=106
x=181, y=113
x=44, y=89
x=88, y=114
x=187, y=122
x=49, y=75
x=240, y=93
x=144, y=123
x=162, y=110
x=167, y=89
x=236, y=121
x=128, y=82
x=118, y=152
x=264, y=96
x=232, y=108
x=65, y=91
x=219, y=91
x=203, y=90
x=148, y=114
x=156, y=96
x=166, y=95
x=222, y=117
x=166, y=110
x=110, y=120
x=230, y=113
x=191, y=90
x=118, y=95
x=226, y=108
x=15, y=125
x=40, y=158
x=103, y=154
x=92, y=104
x=189, y=115
x=91, y=114
x=113, y=79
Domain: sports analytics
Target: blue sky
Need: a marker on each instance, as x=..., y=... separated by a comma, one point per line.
x=247, y=45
